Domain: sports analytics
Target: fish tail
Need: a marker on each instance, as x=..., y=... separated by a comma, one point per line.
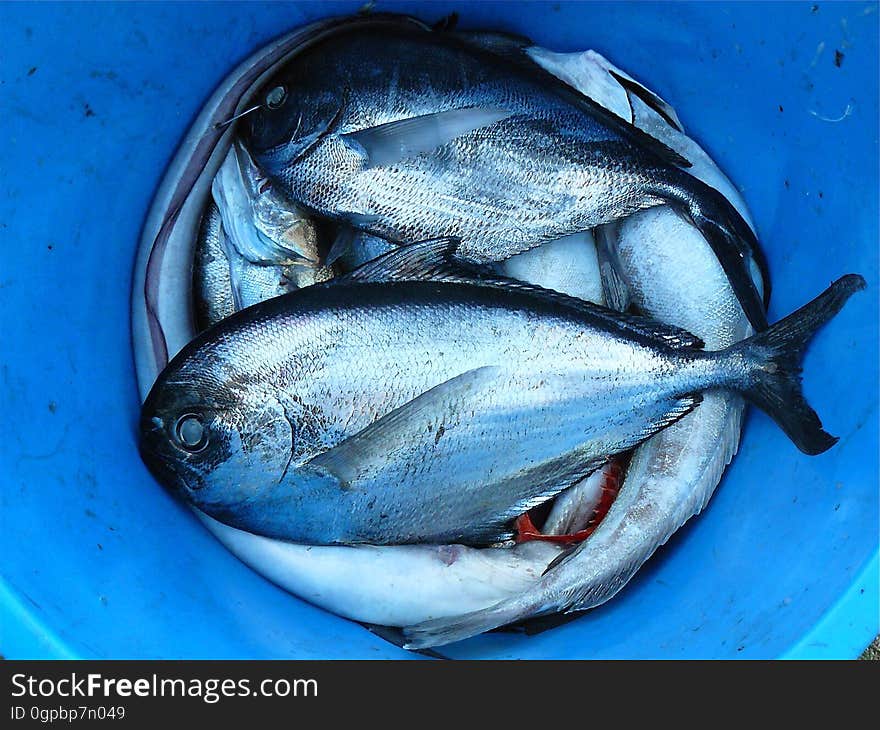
x=441, y=631
x=774, y=383
x=727, y=233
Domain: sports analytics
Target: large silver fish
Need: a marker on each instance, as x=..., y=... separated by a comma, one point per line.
x=414, y=403
x=410, y=134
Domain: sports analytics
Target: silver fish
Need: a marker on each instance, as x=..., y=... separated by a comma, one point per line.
x=263, y=226
x=453, y=404
x=411, y=134
x=253, y=243
x=212, y=280
x=289, y=565
x=225, y=282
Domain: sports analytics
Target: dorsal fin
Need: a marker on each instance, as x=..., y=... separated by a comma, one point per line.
x=435, y=260
x=506, y=45
x=431, y=260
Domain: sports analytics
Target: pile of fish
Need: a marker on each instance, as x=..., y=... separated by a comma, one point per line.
x=477, y=323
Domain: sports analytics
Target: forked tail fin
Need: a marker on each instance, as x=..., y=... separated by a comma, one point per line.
x=776, y=383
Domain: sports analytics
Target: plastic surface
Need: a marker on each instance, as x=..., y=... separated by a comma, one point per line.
x=97, y=561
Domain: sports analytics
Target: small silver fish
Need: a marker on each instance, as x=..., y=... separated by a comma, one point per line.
x=225, y=282
x=212, y=280
x=263, y=226
x=253, y=243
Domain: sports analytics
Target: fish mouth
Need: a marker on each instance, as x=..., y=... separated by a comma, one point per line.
x=162, y=469
x=172, y=475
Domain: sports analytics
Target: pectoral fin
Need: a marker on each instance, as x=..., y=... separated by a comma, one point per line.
x=369, y=449
x=617, y=294
x=389, y=143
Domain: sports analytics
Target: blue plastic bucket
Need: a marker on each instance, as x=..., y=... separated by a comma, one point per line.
x=98, y=561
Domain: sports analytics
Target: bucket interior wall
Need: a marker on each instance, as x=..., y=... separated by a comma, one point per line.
x=98, y=561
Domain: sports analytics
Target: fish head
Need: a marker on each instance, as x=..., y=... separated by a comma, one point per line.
x=213, y=434
x=260, y=223
x=291, y=234
x=289, y=120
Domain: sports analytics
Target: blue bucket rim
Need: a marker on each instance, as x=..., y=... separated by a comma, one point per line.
x=843, y=631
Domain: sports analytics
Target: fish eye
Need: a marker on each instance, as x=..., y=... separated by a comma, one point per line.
x=190, y=432
x=276, y=97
